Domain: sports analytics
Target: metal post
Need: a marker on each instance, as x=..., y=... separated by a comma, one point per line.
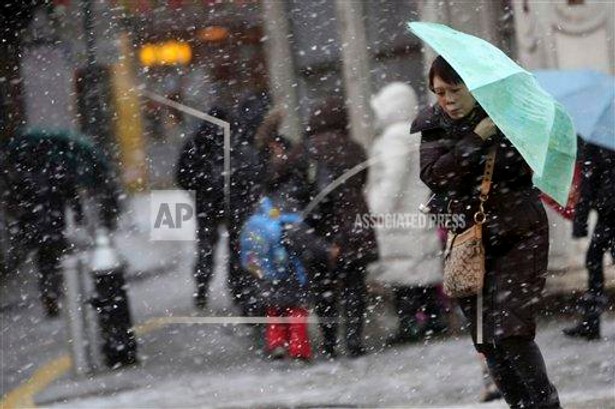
x=280, y=66
x=436, y=12
x=75, y=314
x=92, y=329
x=357, y=79
x=88, y=26
x=110, y=299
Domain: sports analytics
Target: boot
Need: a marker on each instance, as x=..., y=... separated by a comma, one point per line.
x=407, y=332
x=200, y=297
x=588, y=328
x=329, y=342
x=51, y=306
x=490, y=392
x=490, y=389
x=406, y=307
x=354, y=337
x=356, y=350
x=328, y=351
x=277, y=353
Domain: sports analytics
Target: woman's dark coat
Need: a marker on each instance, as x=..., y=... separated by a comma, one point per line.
x=200, y=167
x=330, y=153
x=597, y=187
x=516, y=230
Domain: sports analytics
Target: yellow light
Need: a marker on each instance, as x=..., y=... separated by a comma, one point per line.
x=147, y=55
x=184, y=53
x=168, y=53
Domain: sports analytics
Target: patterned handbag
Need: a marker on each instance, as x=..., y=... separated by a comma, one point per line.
x=464, y=257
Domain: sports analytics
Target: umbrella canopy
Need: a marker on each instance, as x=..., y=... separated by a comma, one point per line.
x=535, y=123
x=589, y=97
x=59, y=151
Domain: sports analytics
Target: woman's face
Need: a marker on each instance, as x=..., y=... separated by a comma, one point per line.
x=454, y=99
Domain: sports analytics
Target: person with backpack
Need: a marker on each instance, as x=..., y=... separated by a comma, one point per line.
x=282, y=278
x=280, y=249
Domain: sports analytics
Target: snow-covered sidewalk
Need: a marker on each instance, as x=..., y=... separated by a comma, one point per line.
x=217, y=366
x=441, y=373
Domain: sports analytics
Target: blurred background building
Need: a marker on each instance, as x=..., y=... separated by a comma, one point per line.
x=81, y=64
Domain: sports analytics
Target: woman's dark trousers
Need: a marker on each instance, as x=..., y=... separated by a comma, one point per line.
x=49, y=263
x=344, y=286
x=603, y=240
x=208, y=237
x=594, y=301
x=240, y=283
x=519, y=371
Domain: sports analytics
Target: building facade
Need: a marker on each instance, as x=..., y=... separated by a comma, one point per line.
x=297, y=51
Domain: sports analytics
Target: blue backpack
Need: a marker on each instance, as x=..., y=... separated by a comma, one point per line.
x=261, y=245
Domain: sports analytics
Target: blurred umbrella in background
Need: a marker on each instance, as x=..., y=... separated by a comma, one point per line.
x=589, y=98
x=40, y=150
x=55, y=165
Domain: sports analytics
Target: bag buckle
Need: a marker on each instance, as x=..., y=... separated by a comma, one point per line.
x=480, y=216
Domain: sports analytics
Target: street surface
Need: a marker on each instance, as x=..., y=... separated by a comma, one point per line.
x=220, y=366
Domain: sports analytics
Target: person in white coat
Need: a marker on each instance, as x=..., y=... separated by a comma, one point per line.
x=410, y=262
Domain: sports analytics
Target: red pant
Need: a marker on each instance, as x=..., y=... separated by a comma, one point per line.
x=293, y=335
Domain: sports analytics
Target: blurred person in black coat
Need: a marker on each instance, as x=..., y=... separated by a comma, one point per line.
x=598, y=193
x=329, y=152
x=201, y=168
x=44, y=172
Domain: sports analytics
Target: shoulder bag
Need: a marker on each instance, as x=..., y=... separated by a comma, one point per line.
x=464, y=256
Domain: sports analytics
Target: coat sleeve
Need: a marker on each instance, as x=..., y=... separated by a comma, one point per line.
x=443, y=166
x=510, y=165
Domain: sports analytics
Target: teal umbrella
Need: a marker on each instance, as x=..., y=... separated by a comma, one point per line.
x=535, y=123
x=48, y=149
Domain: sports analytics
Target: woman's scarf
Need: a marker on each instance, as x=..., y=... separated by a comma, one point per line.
x=456, y=127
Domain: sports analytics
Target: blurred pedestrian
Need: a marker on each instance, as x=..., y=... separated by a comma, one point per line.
x=277, y=228
x=282, y=279
x=330, y=153
x=247, y=177
x=200, y=168
x=596, y=192
x=409, y=254
x=44, y=172
x=456, y=135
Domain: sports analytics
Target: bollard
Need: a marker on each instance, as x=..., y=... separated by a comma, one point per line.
x=110, y=300
x=75, y=309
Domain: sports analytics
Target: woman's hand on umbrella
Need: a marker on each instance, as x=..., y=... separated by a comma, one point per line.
x=485, y=129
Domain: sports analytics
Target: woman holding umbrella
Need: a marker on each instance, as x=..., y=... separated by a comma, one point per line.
x=456, y=136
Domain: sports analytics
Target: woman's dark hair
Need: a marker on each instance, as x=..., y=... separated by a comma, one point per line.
x=443, y=69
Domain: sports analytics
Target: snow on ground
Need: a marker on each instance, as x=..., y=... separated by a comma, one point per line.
x=442, y=373
x=218, y=366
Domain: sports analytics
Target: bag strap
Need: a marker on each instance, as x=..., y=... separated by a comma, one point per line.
x=488, y=175
x=485, y=187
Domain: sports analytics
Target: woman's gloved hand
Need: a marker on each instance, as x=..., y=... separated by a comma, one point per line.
x=485, y=129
